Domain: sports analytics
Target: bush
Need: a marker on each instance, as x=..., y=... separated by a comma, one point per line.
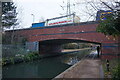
x=116, y=72
x=20, y=58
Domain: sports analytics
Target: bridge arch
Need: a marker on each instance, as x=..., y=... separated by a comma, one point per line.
x=55, y=45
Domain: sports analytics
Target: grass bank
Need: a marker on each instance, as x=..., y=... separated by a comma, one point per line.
x=114, y=68
x=20, y=58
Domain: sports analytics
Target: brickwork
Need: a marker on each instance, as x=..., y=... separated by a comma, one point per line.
x=50, y=49
x=83, y=31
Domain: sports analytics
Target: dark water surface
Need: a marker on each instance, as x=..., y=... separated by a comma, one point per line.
x=43, y=68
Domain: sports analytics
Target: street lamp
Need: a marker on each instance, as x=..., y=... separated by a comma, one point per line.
x=33, y=17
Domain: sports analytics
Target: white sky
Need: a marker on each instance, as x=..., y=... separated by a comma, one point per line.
x=40, y=8
x=46, y=9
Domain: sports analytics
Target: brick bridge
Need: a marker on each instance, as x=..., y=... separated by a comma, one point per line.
x=51, y=38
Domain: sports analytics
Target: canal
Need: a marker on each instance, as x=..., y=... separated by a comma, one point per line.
x=44, y=68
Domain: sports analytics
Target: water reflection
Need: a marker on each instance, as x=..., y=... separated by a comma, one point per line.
x=44, y=68
x=73, y=61
x=73, y=58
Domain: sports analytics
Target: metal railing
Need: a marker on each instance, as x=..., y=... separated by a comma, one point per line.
x=14, y=50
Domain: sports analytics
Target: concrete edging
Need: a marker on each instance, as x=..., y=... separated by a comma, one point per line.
x=67, y=70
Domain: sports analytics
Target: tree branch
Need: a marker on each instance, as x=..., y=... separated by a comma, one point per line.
x=107, y=5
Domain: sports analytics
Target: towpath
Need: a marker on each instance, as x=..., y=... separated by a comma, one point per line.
x=86, y=68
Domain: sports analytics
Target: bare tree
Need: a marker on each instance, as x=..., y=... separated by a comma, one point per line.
x=94, y=6
x=110, y=25
x=87, y=9
x=41, y=19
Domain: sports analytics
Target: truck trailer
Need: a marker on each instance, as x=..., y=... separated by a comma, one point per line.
x=68, y=19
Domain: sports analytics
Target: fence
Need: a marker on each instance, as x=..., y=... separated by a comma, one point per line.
x=13, y=50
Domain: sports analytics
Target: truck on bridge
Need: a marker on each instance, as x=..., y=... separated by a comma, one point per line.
x=72, y=18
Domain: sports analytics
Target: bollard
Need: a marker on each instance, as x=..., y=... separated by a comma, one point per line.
x=107, y=65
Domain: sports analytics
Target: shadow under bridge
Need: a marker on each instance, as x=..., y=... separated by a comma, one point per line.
x=55, y=45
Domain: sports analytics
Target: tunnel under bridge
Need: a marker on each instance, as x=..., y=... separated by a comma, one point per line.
x=55, y=45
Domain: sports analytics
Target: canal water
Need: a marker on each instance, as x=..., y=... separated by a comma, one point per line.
x=44, y=68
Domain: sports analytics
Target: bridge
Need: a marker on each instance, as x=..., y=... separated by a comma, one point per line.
x=51, y=38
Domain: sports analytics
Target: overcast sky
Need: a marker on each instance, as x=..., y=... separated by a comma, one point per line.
x=40, y=8
x=46, y=9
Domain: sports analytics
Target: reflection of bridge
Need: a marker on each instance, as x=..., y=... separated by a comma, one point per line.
x=50, y=38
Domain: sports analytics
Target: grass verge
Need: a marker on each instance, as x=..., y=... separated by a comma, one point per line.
x=114, y=68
